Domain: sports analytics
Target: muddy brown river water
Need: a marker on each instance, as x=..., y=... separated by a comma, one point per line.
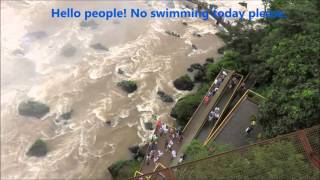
x=51, y=60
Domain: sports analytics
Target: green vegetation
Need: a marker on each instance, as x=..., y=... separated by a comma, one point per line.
x=195, y=150
x=128, y=86
x=283, y=56
x=185, y=107
x=38, y=149
x=276, y=161
x=124, y=169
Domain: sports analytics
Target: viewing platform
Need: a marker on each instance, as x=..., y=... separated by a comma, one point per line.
x=232, y=128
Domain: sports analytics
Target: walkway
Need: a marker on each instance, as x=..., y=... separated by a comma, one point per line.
x=232, y=129
x=191, y=129
x=222, y=103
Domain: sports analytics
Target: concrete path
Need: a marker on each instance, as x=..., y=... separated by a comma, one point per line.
x=233, y=132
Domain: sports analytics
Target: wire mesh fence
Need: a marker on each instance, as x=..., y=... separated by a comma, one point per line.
x=290, y=156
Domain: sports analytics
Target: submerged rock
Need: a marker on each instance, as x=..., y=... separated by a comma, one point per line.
x=190, y=69
x=171, y=33
x=68, y=50
x=66, y=115
x=194, y=47
x=120, y=71
x=99, y=46
x=148, y=125
x=196, y=34
x=244, y=4
x=18, y=52
x=134, y=149
x=38, y=149
x=89, y=24
x=33, y=109
x=36, y=35
x=185, y=24
x=128, y=86
x=164, y=97
x=196, y=66
x=210, y=60
x=108, y=123
x=183, y=83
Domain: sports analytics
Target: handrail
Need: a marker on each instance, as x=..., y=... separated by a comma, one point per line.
x=136, y=173
x=233, y=93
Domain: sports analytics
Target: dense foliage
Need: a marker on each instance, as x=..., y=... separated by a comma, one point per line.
x=283, y=56
x=276, y=161
x=195, y=150
x=124, y=169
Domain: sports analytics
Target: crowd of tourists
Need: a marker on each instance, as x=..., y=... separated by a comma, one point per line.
x=170, y=136
x=216, y=84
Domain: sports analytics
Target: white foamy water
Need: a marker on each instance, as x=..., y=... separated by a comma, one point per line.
x=54, y=63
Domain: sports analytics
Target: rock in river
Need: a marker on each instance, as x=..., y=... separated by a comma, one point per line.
x=164, y=97
x=68, y=50
x=66, y=115
x=99, y=46
x=183, y=83
x=128, y=86
x=33, y=109
x=38, y=149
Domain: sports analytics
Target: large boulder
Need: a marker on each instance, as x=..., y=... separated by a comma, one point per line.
x=183, y=83
x=199, y=76
x=164, y=97
x=33, y=109
x=38, y=149
x=196, y=66
x=128, y=86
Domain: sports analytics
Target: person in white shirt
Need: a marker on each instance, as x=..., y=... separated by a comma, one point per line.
x=160, y=153
x=173, y=154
